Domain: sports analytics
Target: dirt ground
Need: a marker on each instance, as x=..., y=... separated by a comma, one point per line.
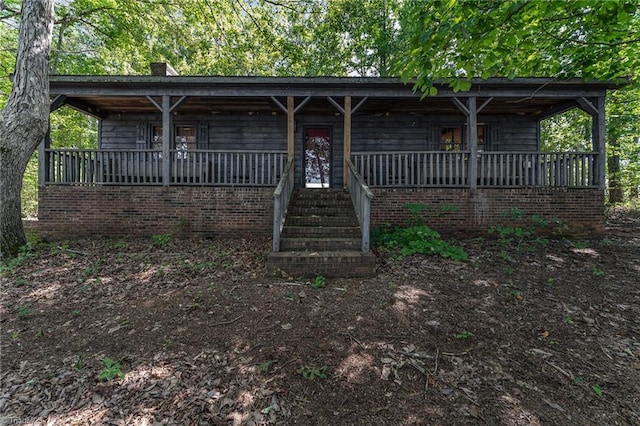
x=518, y=335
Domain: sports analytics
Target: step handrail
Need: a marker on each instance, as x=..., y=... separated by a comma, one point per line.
x=281, y=199
x=361, y=197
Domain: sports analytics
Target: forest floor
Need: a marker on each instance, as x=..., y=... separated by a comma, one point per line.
x=201, y=334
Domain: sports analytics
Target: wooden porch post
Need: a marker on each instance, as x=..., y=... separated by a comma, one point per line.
x=470, y=110
x=472, y=130
x=42, y=158
x=166, y=139
x=291, y=129
x=600, y=141
x=347, y=140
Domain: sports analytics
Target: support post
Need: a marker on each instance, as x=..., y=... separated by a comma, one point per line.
x=472, y=135
x=347, y=140
x=43, y=165
x=599, y=141
x=166, y=139
x=291, y=129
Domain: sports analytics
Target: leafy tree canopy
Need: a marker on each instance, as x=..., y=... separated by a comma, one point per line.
x=459, y=39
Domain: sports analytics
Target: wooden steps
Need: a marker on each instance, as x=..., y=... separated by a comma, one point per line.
x=321, y=236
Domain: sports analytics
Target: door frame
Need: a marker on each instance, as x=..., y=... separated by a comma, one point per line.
x=305, y=128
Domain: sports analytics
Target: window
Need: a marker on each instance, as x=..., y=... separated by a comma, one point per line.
x=454, y=138
x=184, y=140
x=451, y=139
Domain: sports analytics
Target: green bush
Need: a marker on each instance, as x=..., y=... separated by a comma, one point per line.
x=416, y=239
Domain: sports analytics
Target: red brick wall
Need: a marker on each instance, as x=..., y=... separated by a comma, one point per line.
x=462, y=212
x=72, y=211
x=68, y=211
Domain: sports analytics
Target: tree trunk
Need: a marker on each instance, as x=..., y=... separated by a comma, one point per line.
x=24, y=120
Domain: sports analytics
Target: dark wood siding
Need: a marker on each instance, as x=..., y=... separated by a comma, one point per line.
x=220, y=132
x=369, y=133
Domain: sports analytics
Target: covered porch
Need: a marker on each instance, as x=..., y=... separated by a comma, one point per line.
x=368, y=135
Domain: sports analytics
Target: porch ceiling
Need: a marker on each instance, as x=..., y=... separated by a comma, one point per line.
x=110, y=105
x=106, y=95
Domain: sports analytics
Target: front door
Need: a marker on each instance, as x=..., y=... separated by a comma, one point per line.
x=317, y=157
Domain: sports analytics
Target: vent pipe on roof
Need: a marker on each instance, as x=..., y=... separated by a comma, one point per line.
x=162, y=69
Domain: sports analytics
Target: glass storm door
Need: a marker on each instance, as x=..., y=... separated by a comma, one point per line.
x=317, y=157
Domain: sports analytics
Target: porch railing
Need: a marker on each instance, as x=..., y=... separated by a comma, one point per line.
x=426, y=168
x=549, y=169
x=494, y=169
x=281, y=199
x=361, y=197
x=145, y=167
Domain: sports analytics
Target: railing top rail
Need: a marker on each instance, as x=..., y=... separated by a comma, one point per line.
x=539, y=152
x=407, y=152
x=359, y=179
x=222, y=151
x=283, y=178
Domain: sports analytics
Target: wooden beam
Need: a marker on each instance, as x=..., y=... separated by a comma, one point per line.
x=291, y=127
x=587, y=106
x=57, y=102
x=85, y=108
x=166, y=139
x=301, y=104
x=279, y=104
x=178, y=102
x=557, y=109
x=335, y=104
x=461, y=106
x=472, y=129
x=359, y=104
x=347, y=140
x=153, y=101
x=484, y=104
x=599, y=140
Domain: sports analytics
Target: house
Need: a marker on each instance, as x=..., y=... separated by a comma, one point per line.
x=221, y=156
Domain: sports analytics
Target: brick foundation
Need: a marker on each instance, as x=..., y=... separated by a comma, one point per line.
x=72, y=211
x=466, y=213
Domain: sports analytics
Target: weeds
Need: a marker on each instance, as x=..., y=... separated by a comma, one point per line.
x=312, y=372
x=111, y=370
x=79, y=362
x=464, y=334
x=25, y=252
x=266, y=366
x=597, y=389
x=160, y=240
x=526, y=228
x=417, y=237
x=319, y=282
x=597, y=272
x=25, y=310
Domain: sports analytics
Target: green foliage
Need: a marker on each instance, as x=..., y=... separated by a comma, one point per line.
x=25, y=252
x=597, y=272
x=266, y=366
x=160, y=240
x=25, y=310
x=312, y=372
x=526, y=228
x=458, y=40
x=79, y=365
x=319, y=282
x=111, y=370
x=464, y=334
x=416, y=239
x=597, y=389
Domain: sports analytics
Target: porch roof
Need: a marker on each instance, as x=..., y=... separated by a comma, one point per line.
x=106, y=95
